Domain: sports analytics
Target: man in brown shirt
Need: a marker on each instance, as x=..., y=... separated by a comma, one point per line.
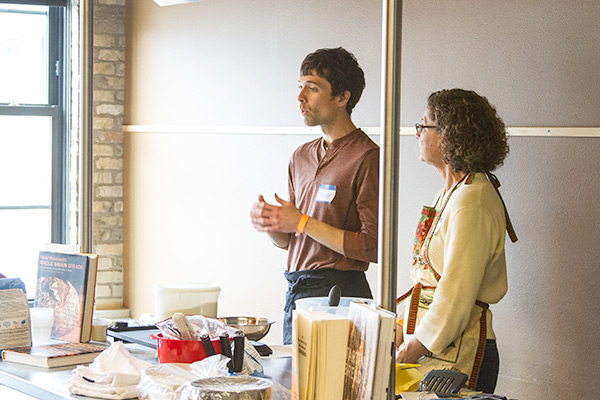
x=329, y=224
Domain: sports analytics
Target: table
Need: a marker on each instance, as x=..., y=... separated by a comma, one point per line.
x=53, y=384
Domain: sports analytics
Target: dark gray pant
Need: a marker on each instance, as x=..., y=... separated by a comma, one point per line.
x=488, y=374
x=318, y=283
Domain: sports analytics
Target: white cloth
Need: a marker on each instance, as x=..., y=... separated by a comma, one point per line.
x=114, y=374
x=103, y=391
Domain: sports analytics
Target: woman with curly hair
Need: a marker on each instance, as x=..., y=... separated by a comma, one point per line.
x=459, y=266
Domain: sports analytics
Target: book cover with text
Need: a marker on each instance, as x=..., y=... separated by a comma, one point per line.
x=66, y=283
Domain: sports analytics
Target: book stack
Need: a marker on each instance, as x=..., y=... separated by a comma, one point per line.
x=342, y=357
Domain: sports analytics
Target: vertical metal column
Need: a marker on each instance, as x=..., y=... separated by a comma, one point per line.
x=86, y=132
x=390, y=151
x=390, y=162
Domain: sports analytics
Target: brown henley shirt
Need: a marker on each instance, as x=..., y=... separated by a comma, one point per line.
x=338, y=185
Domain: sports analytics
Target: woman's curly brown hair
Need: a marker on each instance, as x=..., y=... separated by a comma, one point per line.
x=474, y=136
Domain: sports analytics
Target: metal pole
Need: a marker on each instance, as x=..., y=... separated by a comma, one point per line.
x=86, y=136
x=390, y=150
x=389, y=166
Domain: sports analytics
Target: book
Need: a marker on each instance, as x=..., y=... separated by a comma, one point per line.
x=53, y=355
x=370, y=352
x=318, y=355
x=67, y=283
x=385, y=354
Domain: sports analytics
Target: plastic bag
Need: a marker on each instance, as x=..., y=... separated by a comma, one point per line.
x=211, y=366
x=161, y=382
x=192, y=327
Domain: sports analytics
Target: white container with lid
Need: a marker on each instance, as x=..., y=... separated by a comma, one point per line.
x=322, y=304
x=186, y=298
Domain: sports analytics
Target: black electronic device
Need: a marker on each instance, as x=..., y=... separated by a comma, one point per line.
x=262, y=348
x=140, y=334
x=124, y=326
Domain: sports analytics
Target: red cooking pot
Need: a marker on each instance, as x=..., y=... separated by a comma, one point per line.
x=182, y=351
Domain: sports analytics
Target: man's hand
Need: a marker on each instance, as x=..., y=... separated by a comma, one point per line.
x=279, y=221
x=275, y=218
x=267, y=218
x=286, y=217
x=259, y=214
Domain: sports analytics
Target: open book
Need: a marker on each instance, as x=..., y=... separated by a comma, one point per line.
x=342, y=357
x=318, y=355
x=370, y=353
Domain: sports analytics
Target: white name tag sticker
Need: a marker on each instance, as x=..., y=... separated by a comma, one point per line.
x=326, y=193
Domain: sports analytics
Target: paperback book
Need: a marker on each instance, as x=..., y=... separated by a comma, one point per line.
x=347, y=356
x=53, y=355
x=318, y=355
x=370, y=352
x=67, y=283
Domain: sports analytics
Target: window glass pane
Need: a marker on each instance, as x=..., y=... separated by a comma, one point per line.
x=24, y=233
x=24, y=54
x=25, y=161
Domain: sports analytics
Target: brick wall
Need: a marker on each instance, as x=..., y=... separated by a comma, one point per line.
x=109, y=91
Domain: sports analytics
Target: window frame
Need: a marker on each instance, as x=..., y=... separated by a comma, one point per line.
x=57, y=108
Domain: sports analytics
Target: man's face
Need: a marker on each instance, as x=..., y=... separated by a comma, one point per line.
x=317, y=105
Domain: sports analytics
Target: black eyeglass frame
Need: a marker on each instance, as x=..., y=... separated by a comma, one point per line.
x=420, y=127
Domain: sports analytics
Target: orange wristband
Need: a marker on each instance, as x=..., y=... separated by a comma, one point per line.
x=302, y=223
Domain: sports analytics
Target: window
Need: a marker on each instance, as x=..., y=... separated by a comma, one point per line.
x=34, y=155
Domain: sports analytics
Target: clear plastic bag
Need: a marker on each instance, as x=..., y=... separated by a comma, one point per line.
x=174, y=381
x=177, y=327
x=161, y=382
x=211, y=366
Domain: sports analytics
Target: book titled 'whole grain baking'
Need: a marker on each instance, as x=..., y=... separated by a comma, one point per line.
x=67, y=283
x=53, y=355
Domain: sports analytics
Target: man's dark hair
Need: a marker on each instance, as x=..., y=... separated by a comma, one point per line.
x=341, y=70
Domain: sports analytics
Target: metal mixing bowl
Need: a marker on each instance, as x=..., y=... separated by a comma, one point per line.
x=254, y=328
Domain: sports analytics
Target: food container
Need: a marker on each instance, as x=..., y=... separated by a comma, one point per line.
x=228, y=388
x=407, y=378
x=182, y=351
x=322, y=304
x=186, y=298
x=99, y=326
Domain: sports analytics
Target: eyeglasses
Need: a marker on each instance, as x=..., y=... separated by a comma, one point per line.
x=420, y=127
